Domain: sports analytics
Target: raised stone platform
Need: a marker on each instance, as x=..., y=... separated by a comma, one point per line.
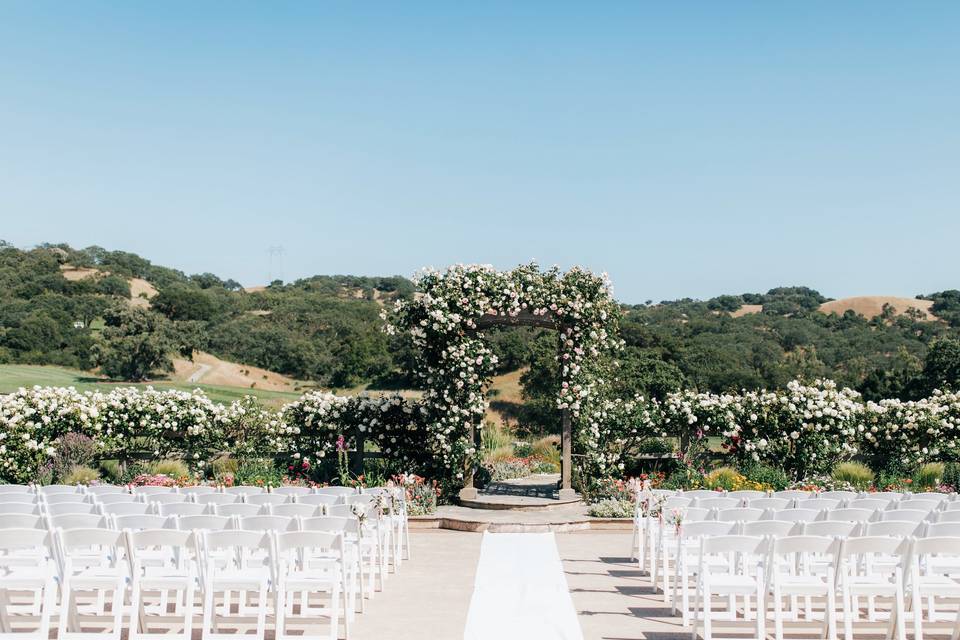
x=533, y=493
x=529, y=504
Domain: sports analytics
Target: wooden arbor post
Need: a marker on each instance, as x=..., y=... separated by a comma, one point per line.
x=527, y=319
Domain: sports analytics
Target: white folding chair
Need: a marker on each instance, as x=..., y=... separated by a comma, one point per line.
x=160, y=561
x=117, y=498
x=354, y=584
x=942, y=530
x=26, y=508
x=920, y=505
x=244, y=490
x=65, y=498
x=866, y=570
x=775, y=528
x=336, y=491
x=22, y=521
x=63, y=508
x=217, y=498
x=55, y=489
x=888, y=496
x=952, y=515
x=741, y=514
x=793, y=494
x=840, y=496
x=168, y=498
x=137, y=522
x=292, y=491
x=198, y=490
x=685, y=561
x=795, y=515
x=239, y=509
x=227, y=567
x=204, y=522
x=325, y=500
x=295, y=510
x=849, y=515
x=747, y=494
x=17, y=488
x=929, y=579
x=646, y=515
x=103, y=490
x=79, y=521
x=152, y=491
x=716, y=503
x=127, y=509
x=91, y=561
x=730, y=578
x=278, y=524
x=830, y=528
x=182, y=509
x=911, y=515
x=22, y=498
x=27, y=568
x=665, y=532
x=700, y=494
x=892, y=528
x=790, y=572
x=869, y=504
x=933, y=496
x=268, y=499
x=819, y=504
x=777, y=504
x=309, y=562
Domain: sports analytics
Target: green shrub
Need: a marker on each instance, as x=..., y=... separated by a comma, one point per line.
x=951, y=475
x=929, y=476
x=509, y=469
x=80, y=474
x=655, y=446
x=611, y=508
x=859, y=476
x=73, y=450
x=500, y=454
x=726, y=478
x=775, y=477
x=112, y=471
x=223, y=465
x=495, y=436
x=522, y=449
x=547, y=448
x=172, y=468
x=258, y=472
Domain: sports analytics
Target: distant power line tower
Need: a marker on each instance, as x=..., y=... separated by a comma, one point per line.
x=275, y=268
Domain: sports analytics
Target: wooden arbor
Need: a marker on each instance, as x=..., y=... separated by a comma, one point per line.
x=545, y=321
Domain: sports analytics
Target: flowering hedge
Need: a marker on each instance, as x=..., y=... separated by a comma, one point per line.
x=912, y=433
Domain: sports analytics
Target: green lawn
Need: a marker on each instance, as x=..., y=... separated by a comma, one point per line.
x=14, y=376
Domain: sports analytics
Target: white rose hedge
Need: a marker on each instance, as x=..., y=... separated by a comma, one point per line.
x=805, y=429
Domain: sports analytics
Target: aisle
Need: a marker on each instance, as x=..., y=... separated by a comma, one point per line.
x=521, y=591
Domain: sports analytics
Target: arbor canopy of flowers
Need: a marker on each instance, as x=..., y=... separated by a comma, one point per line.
x=455, y=364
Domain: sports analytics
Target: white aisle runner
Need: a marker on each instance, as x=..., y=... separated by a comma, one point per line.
x=520, y=591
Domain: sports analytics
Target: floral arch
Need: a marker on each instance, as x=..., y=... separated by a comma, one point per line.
x=445, y=323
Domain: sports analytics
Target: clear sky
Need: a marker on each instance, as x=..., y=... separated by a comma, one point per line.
x=687, y=148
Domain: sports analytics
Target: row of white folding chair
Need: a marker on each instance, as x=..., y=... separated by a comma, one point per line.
x=753, y=522
x=820, y=566
x=224, y=561
x=364, y=550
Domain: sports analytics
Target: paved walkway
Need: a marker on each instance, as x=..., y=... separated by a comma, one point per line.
x=430, y=597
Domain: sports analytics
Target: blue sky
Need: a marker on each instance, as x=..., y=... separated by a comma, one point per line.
x=688, y=149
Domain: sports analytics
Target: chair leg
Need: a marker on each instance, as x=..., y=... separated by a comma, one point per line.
x=847, y=612
x=761, y=614
x=280, y=613
x=777, y=613
x=900, y=613
x=696, y=609
x=137, y=622
x=262, y=611
x=831, y=613
x=917, y=605
x=707, y=612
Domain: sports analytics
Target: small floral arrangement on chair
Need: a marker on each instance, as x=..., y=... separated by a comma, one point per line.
x=361, y=514
x=676, y=515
